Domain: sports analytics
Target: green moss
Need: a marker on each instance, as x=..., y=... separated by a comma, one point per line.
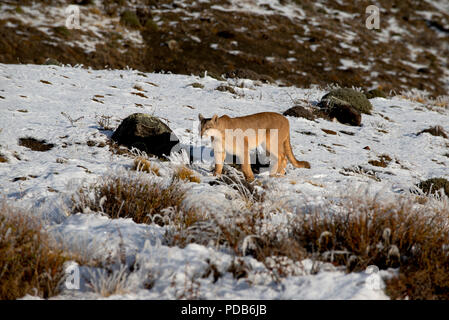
x=62, y=31
x=151, y=26
x=356, y=99
x=434, y=184
x=375, y=93
x=129, y=19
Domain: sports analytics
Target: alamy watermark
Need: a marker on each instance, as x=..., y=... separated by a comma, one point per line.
x=373, y=281
x=73, y=17
x=373, y=20
x=72, y=280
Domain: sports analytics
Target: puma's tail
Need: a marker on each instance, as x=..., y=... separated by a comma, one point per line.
x=291, y=156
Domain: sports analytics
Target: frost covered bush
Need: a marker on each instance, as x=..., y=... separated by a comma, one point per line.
x=133, y=196
x=434, y=184
x=389, y=233
x=29, y=262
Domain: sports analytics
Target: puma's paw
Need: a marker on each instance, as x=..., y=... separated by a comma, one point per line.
x=277, y=175
x=250, y=178
x=217, y=174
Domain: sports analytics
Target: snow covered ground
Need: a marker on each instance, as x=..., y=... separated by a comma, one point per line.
x=63, y=105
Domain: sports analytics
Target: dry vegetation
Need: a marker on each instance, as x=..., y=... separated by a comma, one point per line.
x=143, y=164
x=30, y=262
x=406, y=233
x=185, y=174
x=137, y=198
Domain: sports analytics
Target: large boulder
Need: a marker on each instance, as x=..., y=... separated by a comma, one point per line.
x=355, y=99
x=344, y=112
x=146, y=133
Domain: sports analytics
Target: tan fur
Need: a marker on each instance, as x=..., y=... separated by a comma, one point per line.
x=240, y=135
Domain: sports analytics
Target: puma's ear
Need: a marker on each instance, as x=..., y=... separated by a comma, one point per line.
x=200, y=117
x=215, y=119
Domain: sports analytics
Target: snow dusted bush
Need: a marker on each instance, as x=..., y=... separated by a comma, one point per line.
x=30, y=263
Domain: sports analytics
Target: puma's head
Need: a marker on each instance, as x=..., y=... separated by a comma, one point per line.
x=207, y=125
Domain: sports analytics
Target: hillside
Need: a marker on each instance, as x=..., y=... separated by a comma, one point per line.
x=299, y=43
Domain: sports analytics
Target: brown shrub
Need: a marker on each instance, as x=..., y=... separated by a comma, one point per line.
x=133, y=197
x=402, y=233
x=385, y=234
x=143, y=164
x=435, y=131
x=383, y=161
x=29, y=262
x=186, y=174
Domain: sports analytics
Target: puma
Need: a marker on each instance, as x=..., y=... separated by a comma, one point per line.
x=240, y=135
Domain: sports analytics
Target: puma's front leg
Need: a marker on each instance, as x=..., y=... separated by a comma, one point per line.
x=219, y=160
x=246, y=167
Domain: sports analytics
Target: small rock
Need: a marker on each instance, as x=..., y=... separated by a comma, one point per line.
x=300, y=112
x=375, y=93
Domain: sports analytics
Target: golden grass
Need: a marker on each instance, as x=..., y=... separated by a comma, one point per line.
x=134, y=197
x=30, y=263
x=186, y=174
x=143, y=164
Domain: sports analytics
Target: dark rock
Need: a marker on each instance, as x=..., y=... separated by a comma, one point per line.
x=343, y=111
x=146, y=133
x=225, y=34
x=424, y=70
x=300, y=112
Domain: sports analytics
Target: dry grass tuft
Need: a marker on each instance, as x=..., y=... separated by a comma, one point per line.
x=185, y=174
x=389, y=234
x=136, y=198
x=143, y=164
x=29, y=262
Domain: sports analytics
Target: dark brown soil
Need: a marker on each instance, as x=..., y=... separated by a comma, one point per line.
x=35, y=145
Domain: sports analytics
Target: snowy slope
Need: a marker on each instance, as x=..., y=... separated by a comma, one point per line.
x=30, y=107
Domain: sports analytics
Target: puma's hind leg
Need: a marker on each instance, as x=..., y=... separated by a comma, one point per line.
x=282, y=164
x=278, y=160
x=282, y=160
